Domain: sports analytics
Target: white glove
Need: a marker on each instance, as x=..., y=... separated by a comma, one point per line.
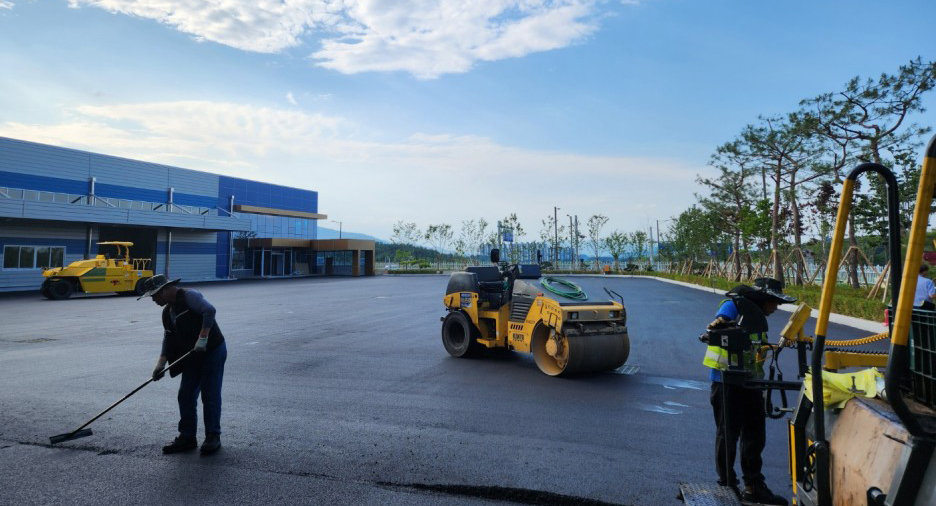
x=201, y=344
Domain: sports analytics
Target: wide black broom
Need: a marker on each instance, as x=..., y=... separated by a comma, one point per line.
x=83, y=432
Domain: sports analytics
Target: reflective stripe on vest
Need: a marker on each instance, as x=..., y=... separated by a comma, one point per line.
x=716, y=357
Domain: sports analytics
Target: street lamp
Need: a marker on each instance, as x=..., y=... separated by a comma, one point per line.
x=339, y=227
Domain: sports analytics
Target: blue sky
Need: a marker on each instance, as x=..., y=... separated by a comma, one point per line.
x=438, y=111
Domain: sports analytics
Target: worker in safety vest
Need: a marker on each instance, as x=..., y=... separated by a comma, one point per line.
x=739, y=411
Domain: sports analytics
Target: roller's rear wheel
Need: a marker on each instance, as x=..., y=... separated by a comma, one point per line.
x=563, y=356
x=459, y=335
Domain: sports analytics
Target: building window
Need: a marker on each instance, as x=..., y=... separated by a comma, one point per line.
x=32, y=257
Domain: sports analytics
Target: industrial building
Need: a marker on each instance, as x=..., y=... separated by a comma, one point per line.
x=57, y=203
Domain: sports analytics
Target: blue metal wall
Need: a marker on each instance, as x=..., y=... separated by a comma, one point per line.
x=255, y=193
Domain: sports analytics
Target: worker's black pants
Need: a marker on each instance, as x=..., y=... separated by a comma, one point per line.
x=739, y=415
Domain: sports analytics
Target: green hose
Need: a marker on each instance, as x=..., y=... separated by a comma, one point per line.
x=574, y=291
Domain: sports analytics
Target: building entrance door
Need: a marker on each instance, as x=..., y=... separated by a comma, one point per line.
x=258, y=263
x=278, y=260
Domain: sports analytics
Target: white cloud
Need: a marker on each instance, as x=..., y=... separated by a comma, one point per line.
x=4, y=4
x=426, y=38
x=291, y=99
x=370, y=185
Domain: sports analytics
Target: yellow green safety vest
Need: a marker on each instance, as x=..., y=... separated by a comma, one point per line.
x=716, y=357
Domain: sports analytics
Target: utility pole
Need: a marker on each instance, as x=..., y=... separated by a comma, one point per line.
x=556, y=233
x=577, y=252
x=651, y=245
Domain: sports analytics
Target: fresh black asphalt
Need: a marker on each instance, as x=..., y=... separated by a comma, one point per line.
x=338, y=391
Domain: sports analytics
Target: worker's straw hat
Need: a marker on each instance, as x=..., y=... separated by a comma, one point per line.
x=764, y=289
x=774, y=288
x=153, y=285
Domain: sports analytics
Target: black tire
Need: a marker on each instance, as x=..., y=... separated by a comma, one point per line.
x=459, y=336
x=60, y=289
x=44, y=289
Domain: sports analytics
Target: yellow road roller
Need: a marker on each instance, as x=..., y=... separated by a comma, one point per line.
x=104, y=273
x=512, y=306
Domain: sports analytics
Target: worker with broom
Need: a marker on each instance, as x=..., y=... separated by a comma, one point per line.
x=189, y=323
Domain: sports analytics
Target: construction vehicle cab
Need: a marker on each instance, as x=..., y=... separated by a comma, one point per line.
x=511, y=306
x=105, y=273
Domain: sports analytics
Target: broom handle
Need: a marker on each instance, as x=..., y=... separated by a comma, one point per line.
x=137, y=389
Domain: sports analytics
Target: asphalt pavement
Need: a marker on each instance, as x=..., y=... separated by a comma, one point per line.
x=339, y=391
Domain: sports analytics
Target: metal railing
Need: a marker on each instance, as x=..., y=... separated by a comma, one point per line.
x=108, y=202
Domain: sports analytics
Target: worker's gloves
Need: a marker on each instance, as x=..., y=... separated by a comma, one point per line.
x=201, y=344
x=720, y=323
x=158, y=371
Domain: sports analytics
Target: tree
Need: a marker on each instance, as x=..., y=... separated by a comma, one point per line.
x=616, y=243
x=863, y=123
x=439, y=236
x=461, y=249
x=512, y=224
x=784, y=146
x=548, y=234
x=405, y=233
x=693, y=234
x=595, y=224
x=639, y=240
x=472, y=238
x=731, y=193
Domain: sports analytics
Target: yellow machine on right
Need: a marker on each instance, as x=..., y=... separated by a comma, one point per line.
x=872, y=450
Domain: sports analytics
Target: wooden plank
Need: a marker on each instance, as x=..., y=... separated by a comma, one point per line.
x=865, y=447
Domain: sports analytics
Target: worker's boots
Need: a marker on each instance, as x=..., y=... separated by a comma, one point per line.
x=181, y=444
x=212, y=444
x=759, y=493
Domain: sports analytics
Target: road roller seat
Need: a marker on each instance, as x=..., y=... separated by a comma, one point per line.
x=490, y=285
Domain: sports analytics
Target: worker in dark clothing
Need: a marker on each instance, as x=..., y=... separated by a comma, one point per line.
x=189, y=324
x=739, y=411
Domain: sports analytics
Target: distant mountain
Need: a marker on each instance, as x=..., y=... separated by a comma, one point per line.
x=327, y=233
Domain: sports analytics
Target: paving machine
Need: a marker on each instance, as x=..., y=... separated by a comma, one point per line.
x=859, y=437
x=511, y=306
x=874, y=449
x=104, y=273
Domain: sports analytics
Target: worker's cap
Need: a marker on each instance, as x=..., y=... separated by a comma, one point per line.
x=153, y=285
